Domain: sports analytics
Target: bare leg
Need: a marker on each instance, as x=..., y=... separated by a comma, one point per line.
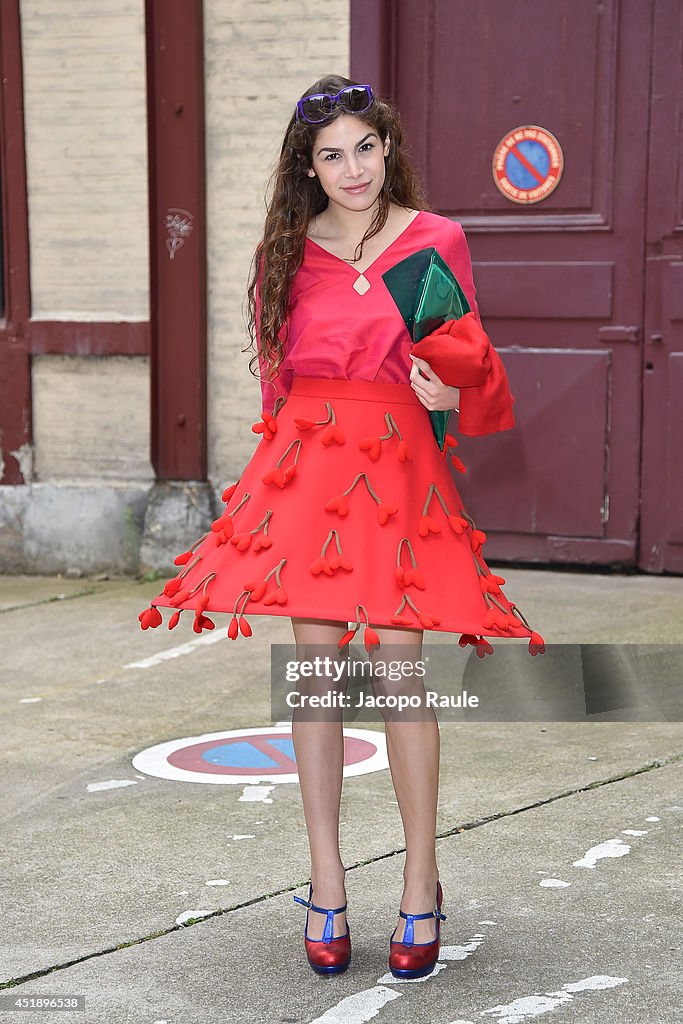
x=319, y=750
x=413, y=748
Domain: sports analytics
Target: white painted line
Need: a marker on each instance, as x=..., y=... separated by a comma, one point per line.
x=358, y=1008
x=177, y=652
x=94, y=787
x=217, y=881
x=30, y=700
x=553, y=883
x=242, y=837
x=653, y=818
x=610, y=848
x=259, y=793
x=633, y=832
x=537, y=1004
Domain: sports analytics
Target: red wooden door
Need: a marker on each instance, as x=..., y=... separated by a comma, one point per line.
x=560, y=283
x=662, y=469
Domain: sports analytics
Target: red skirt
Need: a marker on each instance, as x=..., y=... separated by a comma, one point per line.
x=347, y=512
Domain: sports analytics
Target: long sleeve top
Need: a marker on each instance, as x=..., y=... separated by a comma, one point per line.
x=333, y=331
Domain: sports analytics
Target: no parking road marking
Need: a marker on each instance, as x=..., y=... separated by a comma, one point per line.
x=240, y=756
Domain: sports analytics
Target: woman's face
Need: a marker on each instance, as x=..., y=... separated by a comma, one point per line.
x=348, y=158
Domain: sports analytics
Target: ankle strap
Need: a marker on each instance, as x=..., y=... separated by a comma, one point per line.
x=328, y=930
x=409, y=931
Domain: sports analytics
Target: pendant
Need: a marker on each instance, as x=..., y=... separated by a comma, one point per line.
x=361, y=284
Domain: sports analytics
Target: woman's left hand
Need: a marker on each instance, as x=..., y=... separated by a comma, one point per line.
x=432, y=391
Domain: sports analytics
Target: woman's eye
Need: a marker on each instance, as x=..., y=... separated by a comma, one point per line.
x=331, y=156
x=367, y=146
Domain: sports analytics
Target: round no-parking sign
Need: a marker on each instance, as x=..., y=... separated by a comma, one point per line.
x=243, y=756
x=527, y=164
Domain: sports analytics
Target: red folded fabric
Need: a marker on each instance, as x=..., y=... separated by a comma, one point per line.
x=462, y=356
x=458, y=352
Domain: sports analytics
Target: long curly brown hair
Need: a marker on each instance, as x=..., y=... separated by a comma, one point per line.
x=295, y=198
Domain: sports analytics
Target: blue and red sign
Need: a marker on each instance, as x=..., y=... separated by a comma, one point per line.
x=245, y=756
x=528, y=164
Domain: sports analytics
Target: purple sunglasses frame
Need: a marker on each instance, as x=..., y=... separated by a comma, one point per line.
x=335, y=101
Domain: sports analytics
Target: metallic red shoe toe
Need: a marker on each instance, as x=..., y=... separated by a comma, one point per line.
x=328, y=955
x=408, y=959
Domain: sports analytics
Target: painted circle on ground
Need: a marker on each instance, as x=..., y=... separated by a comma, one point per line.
x=527, y=164
x=242, y=756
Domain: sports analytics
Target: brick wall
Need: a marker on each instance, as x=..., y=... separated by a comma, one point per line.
x=259, y=59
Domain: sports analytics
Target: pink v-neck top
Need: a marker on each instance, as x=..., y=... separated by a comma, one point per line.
x=334, y=332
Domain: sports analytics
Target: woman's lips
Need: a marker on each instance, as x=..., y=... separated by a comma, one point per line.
x=357, y=190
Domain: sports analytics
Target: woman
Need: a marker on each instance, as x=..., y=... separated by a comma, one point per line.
x=347, y=512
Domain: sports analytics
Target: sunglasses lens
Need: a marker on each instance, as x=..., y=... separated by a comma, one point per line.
x=316, y=108
x=355, y=98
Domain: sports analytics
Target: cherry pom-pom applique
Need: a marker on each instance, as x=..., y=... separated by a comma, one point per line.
x=338, y=504
x=373, y=444
x=411, y=576
x=329, y=565
x=427, y=525
x=150, y=618
x=426, y=620
x=281, y=475
x=174, y=620
x=536, y=644
x=332, y=434
x=467, y=638
x=370, y=639
x=268, y=426
x=483, y=647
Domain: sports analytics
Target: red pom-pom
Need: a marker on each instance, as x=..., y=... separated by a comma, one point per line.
x=415, y=577
x=245, y=628
x=400, y=574
x=426, y=525
x=384, y=510
x=303, y=424
x=477, y=538
x=536, y=644
x=233, y=628
x=371, y=445
x=457, y=524
x=172, y=587
x=339, y=562
x=174, y=620
x=182, y=559
x=289, y=473
x=370, y=639
x=261, y=542
x=256, y=589
x=401, y=620
x=180, y=598
x=339, y=505
x=346, y=638
x=321, y=565
x=228, y=493
x=483, y=647
x=332, y=435
x=278, y=596
x=404, y=453
x=460, y=466
x=467, y=638
x=242, y=541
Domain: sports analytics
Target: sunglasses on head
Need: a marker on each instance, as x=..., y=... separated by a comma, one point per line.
x=354, y=99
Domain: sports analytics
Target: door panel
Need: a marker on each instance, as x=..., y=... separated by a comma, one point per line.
x=560, y=283
x=661, y=545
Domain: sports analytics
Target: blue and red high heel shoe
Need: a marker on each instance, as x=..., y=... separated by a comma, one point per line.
x=409, y=959
x=327, y=955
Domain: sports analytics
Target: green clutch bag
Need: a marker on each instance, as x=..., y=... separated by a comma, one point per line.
x=427, y=294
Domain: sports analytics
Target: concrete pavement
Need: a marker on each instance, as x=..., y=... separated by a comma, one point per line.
x=559, y=844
